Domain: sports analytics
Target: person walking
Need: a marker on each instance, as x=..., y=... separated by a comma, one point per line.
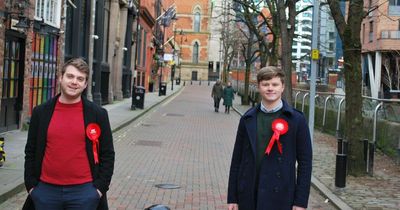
x=271, y=139
x=69, y=154
x=228, y=97
x=216, y=94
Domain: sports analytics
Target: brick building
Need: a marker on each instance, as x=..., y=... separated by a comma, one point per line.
x=194, y=31
x=380, y=39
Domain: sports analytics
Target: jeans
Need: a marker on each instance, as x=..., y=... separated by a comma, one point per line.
x=58, y=197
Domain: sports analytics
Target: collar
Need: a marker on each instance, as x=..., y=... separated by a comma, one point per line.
x=273, y=110
x=286, y=109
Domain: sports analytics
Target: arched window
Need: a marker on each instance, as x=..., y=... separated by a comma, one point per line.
x=196, y=22
x=196, y=52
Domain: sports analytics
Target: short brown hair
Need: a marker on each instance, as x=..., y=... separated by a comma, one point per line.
x=78, y=63
x=269, y=72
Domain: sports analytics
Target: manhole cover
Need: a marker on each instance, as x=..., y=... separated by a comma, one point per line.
x=148, y=143
x=167, y=186
x=157, y=207
x=174, y=115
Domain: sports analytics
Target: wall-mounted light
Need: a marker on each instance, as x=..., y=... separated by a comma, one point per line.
x=125, y=49
x=95, y=36
x=17, y=10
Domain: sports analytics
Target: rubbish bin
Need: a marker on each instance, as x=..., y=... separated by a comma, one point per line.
x=138, y=97
x=163, y=89
x=178, y=81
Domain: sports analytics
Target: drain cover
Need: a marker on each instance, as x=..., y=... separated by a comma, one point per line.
x=157, y=207
x=167, y=186
x=174, y=115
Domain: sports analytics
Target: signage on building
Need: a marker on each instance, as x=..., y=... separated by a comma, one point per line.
x=168, y=57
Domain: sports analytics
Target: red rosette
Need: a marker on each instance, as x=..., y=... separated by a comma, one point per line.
x=280, y=127
x=93, y=132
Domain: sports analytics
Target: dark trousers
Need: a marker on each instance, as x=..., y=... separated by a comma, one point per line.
x=216, y=102
x=72, y=197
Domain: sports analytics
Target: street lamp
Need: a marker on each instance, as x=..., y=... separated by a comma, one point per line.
x=180, y=53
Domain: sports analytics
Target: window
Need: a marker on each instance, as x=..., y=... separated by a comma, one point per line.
x=394, y=2
x=105, y=33
x=331, y=35
x=196, y=53
x=363, y=33
x=139, y=47
x=144, y=48
x=196, y=22
x=394, y=8
x=49, y=10
x=331, y=47
x=371, y=31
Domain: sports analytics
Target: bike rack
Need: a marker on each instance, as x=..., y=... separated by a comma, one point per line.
x=304, y=98
x=325, y=107
x=338, y=117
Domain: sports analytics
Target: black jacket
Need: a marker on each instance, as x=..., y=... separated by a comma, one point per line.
x=280, y=185
x=36, y=144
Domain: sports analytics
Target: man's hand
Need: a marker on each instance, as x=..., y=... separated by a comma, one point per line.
x=233, y=206
x=298, y=208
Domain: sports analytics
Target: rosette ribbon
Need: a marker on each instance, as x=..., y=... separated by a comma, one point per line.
x=279, y=127
x=93, y=132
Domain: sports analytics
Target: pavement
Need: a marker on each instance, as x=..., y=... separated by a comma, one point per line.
x=382, y=191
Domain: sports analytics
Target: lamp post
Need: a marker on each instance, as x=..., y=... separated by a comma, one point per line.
x=180, y=54
x=162, y=57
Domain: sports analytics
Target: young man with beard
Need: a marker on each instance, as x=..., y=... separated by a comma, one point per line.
x=271, y=139
x=69, y=154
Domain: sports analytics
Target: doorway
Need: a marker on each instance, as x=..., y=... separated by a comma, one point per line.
x=194, y=75
x=13, y=81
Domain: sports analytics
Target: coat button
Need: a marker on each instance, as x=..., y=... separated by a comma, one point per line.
x=278, y=174
x=276, y=189
x=280, y=159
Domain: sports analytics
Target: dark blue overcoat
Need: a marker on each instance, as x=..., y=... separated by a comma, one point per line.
x=281, y=184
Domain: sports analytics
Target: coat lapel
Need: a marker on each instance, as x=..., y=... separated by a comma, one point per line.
x=251, y=127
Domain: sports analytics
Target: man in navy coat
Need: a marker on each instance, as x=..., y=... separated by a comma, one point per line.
x=272, y=139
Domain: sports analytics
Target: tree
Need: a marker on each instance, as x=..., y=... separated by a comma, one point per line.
x=349, y=32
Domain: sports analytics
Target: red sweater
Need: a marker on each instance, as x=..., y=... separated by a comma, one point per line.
x=65, y=160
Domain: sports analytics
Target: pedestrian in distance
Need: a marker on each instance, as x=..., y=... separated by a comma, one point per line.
x=271, y=139
x=228, y=97
x=216, y=94
x=69, y=154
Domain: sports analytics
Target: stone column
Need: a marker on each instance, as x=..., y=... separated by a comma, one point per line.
x=113, y=28
x=117, y=70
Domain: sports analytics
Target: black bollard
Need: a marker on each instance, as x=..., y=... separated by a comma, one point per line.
x=340, y=172
x=341, y=163
x=340, y=146
x=208, y=82
x=371, y=158
x=200, y=82
x=191, y=82
x=184, y=83
x=365, y=147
